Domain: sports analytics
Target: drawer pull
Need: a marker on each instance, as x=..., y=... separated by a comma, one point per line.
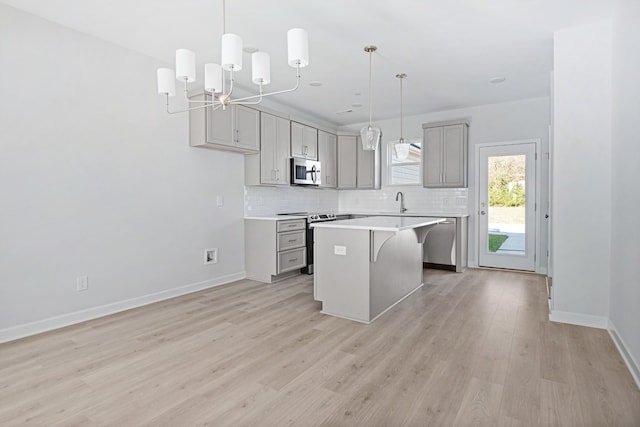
x=293, y=240
x=291, y=225
x=293, y=260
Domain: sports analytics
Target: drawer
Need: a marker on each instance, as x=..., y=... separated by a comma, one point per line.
x=291, y=225
x=291, y=239
x=292, y=260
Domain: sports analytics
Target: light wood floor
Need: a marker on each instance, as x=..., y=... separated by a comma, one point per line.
x=472, y=348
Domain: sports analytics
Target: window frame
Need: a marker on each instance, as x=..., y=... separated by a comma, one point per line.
x=390, y=165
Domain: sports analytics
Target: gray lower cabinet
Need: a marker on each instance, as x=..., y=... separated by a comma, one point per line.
x=274, y=250
x=445, y=154
x=236, y=128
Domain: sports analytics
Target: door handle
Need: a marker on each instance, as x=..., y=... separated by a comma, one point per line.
x=483, y=213
x=546, y=216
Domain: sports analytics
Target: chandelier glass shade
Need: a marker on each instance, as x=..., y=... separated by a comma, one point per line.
x=219, y=78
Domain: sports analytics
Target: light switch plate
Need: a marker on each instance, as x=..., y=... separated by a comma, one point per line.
x=339, y=250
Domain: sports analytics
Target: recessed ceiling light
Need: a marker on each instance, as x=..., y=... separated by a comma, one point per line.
x=356, y=104
x=250, y=49
x=497, y=79
x=344, y=111
x=315, y=83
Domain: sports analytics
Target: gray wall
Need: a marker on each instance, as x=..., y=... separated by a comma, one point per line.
x=96, y=179
x=582, y=172
x=625, y=179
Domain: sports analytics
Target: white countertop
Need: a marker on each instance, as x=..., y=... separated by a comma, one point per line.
x=381, y=223
x=408, y=213
x=276, y=217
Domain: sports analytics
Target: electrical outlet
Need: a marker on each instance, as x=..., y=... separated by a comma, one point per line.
x=82, y=283
x=339, y=250
x=211, y=256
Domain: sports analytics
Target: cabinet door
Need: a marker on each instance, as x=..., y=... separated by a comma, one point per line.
x=297, y=140
x=304, y=141
x=365, y=166
x=268, y=141
x=453, y=171
x=310, y=142
x=432, y=160
x=327, y=157
x=283, y=143
x=220, y=126
x=347, y=161
x=247, y=128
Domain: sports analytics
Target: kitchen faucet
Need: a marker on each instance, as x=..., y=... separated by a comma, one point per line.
x=402, y=208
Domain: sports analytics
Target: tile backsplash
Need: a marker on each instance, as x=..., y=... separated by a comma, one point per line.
x=435, y=201
x=272, y=200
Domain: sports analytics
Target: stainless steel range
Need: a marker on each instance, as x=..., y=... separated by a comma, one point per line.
x=311, y=218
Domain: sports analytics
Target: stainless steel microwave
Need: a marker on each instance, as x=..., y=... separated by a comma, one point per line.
x=305, y=172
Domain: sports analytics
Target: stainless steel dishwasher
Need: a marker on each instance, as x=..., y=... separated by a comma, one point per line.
x=440, y=246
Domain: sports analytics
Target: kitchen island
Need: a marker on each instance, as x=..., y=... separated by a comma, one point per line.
x=365, y=266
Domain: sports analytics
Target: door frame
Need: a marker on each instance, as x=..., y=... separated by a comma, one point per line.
x=538, y=183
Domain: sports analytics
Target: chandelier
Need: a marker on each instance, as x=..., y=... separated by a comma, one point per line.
x=219, y=78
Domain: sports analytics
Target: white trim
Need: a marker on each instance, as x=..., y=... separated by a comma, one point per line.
x=632, y=364
x=39, y=326
x=538, y=168
x=588, y=320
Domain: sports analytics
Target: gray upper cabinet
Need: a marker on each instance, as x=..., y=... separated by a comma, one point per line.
x=445, y=154
x=304, y=141
x=236, y=128
x=367, y=167
x=327, y=156
x=274, y=155
x=347, y=154
x=271, y=166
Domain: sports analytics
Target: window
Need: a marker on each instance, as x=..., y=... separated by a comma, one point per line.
x=404, y=170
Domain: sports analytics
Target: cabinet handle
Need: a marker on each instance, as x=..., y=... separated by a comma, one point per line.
x=273, y=174
x=292, y=240
x=277, y=174
x=293, y=260
x=291, y=225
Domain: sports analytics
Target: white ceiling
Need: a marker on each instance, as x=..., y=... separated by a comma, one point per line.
x=448, y=48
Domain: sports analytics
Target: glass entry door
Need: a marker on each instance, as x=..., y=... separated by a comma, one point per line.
x=506, y=206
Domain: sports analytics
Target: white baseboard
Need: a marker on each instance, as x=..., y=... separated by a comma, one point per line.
x=39, y=326
x=632, y=364
x=579, y=319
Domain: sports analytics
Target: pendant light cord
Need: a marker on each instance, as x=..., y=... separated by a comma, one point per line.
x=370, y=94
x=401, y=136
x=223, y=26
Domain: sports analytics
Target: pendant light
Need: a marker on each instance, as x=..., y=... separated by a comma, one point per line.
x=370, y=135
x=401, y=147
